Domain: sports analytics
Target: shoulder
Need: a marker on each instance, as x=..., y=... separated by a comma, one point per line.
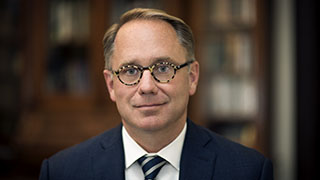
x=77, y=160
x=91, y=145
x=233, y=157
x=228, y=148
x=221, y=145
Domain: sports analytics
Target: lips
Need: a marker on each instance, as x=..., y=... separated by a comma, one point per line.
x=149, y=105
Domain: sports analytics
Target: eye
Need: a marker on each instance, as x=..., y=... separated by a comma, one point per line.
x=163, y=68
x=130, y=71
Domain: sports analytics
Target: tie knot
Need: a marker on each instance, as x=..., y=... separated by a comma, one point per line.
x=151, y=166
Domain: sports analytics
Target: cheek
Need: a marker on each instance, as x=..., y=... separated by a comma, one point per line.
x=122, y=101
x=180, y=90
x=122, y=93
x=119, y=94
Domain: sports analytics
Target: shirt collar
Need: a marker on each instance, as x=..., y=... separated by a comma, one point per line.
x=171, y=152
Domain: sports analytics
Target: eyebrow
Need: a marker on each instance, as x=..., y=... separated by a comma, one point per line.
x=153, y=60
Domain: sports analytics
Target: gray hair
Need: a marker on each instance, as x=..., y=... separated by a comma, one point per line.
x=183, y=31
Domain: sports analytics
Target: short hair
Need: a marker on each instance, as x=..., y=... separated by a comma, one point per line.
x=184, y=32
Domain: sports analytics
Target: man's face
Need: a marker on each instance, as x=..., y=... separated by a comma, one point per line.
x=150, y=105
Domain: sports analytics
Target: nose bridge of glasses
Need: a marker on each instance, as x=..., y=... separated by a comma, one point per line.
x=143, y=76
x=150, y=68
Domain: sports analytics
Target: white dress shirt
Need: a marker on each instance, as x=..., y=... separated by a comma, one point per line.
x=171, y=153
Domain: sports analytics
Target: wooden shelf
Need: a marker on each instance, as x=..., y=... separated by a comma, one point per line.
x=233, y=85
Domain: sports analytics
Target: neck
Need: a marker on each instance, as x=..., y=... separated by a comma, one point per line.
x=154, y=141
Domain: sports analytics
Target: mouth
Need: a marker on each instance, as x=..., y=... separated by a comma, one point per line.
x=147, y=106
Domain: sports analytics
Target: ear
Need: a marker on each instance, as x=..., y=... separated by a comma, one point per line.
x=108, y=77
x=193, y=77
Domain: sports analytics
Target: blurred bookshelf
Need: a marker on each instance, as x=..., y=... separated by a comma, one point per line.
x=233, y=85
x=68, y=73
x=64, y=99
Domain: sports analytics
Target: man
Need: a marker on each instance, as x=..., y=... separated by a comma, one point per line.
x=150, y=73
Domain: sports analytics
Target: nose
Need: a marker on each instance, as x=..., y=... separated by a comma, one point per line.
x=147, y=84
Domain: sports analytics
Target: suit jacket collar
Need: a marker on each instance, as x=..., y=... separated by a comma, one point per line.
x=108, y=161
x=197, y=162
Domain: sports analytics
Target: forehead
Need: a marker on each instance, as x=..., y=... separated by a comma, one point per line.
x=146, y=40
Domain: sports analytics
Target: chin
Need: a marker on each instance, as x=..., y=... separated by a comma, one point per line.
x=151, y=124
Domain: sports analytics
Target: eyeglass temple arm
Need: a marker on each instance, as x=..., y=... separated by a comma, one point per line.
x=185, y=64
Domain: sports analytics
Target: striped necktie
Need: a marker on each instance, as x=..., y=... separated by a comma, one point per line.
x=151, y=166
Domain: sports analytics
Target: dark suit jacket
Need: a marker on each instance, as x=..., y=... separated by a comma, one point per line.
x=205, y=156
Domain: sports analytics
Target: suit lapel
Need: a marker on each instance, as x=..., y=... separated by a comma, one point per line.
x=108, y=159
x=196, y=161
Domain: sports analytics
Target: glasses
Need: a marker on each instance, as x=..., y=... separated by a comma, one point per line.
x=162, y=72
